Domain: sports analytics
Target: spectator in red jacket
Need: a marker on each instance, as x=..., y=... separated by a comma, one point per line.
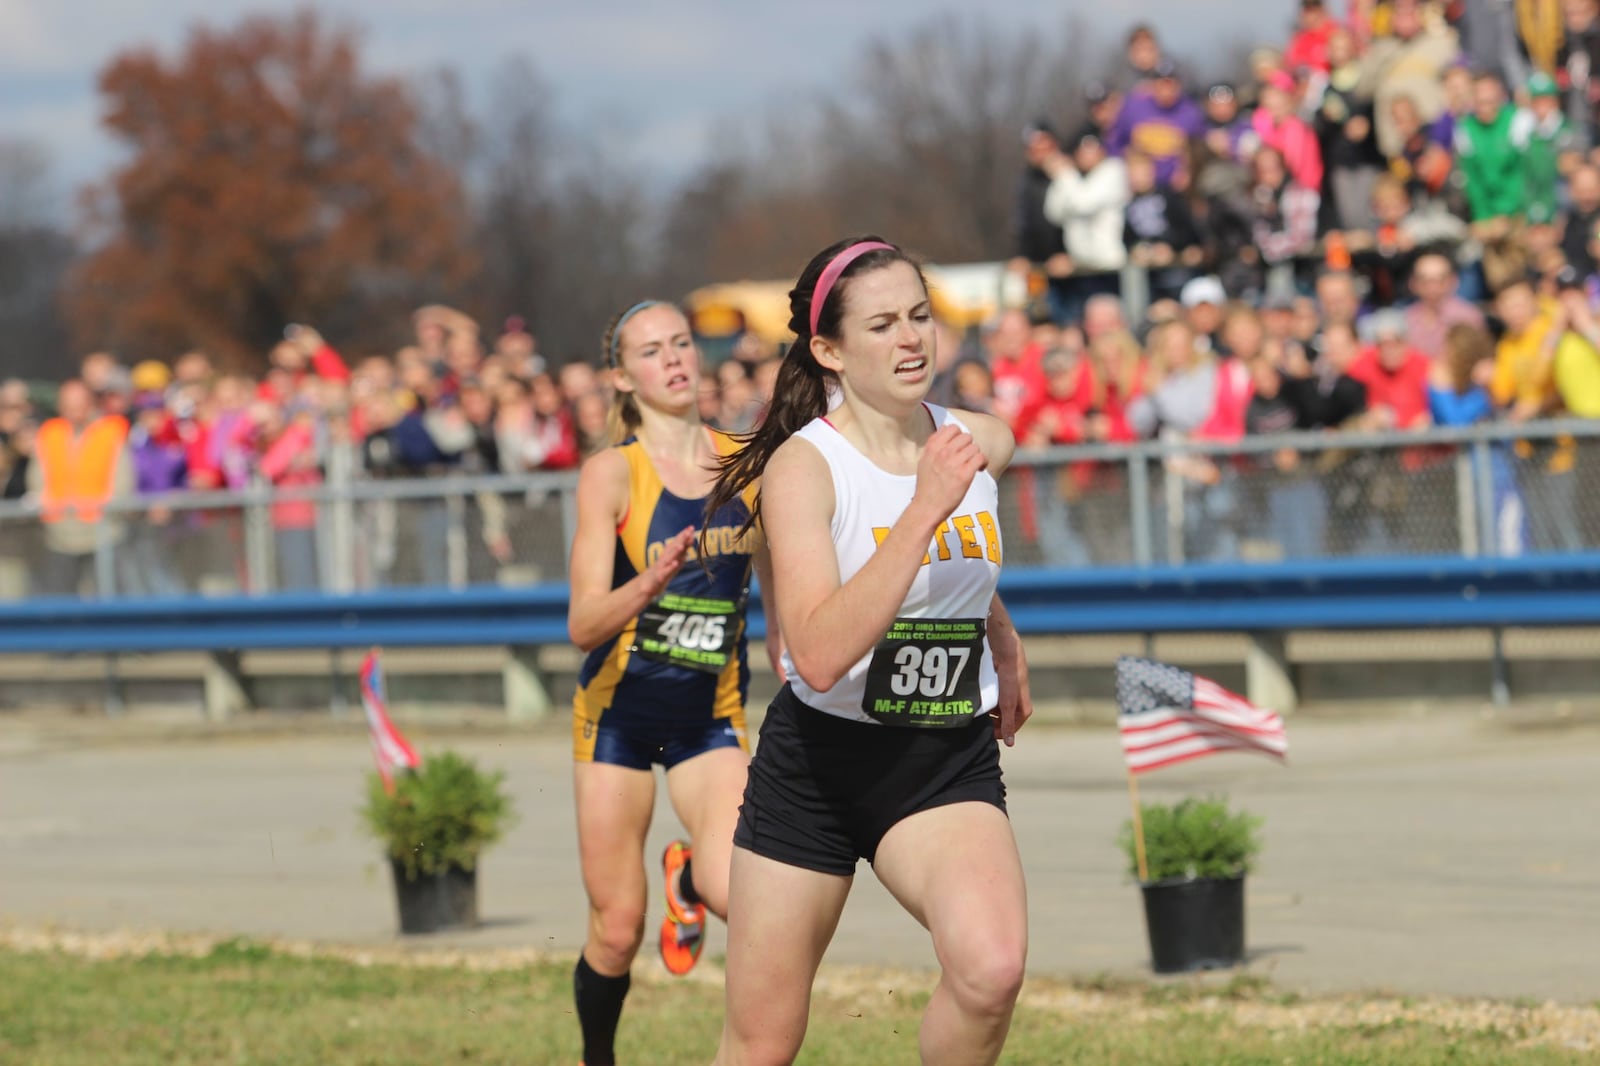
x=1309, y=48
x=302, y=352
x=1057, y=416
x=1395, y=375
x=1016, y=364
x=290, y=460
x=1402, y=493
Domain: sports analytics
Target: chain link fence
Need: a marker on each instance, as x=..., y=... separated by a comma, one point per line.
x=1492, y=490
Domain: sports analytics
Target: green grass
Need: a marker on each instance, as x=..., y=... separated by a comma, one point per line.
x=247, y=1004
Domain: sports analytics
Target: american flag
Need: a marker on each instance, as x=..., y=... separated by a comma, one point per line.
x=391, y=750
x=1167, y=715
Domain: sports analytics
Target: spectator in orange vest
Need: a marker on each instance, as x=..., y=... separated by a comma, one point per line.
x=80, y=464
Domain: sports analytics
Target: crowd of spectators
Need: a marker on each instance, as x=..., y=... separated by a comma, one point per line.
x=1364, y=143
x=1394, y=222
x=454, y=402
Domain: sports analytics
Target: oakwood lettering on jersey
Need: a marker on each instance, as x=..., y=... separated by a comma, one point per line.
x=724, y=540
x=965, y=529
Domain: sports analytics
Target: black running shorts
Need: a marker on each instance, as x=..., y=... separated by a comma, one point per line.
x=824, y=790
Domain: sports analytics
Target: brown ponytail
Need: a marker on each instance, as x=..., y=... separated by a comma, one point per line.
x=801, y=391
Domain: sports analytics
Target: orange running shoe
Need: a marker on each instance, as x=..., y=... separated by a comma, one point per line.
x=683, y=930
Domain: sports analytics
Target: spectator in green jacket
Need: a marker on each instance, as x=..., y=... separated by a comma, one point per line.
x=1548, y=145
x=1487, y=157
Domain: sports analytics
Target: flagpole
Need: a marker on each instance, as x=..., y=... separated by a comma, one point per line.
x=1138, y=826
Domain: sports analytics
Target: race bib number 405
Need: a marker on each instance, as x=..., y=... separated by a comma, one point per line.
x=689, y=631
x=925, y=673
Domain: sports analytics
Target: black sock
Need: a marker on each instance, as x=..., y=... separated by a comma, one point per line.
x=599, y=1000
x=686, y=884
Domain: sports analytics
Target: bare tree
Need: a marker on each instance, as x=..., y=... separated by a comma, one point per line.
x=928, y=147
x=515, y=202
x=445, y=127
x=923, y=146
x=561, y=229
x=599, y=256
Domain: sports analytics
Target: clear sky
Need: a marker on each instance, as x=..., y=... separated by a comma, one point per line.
x=660, y=75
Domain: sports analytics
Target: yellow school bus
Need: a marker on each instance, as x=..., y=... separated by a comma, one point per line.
x=964, y=295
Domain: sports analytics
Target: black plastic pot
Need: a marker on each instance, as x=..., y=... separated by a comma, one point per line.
x=1195, y=925
x=446, y=900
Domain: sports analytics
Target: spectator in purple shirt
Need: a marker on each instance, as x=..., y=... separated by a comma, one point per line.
x=1161, y=122
x=160, y=467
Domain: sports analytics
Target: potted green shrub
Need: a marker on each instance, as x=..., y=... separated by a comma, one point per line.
x=434, y=824
x=1197, y=853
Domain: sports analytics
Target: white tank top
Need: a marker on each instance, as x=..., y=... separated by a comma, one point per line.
x=938, y=671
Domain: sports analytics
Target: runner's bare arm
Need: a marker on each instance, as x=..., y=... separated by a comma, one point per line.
x=598, y=612
x=828, y=627
x=993, y=436
x=1011, y=665
x=763, y=564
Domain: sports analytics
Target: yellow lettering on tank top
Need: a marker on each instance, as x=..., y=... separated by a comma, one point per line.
x=991, y=535
x=966, y=529
x=967, y=533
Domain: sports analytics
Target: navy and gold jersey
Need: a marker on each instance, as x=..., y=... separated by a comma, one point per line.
x=681, y=662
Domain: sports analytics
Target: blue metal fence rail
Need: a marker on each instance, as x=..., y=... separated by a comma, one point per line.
x=1552, y=590
x=1475, y=589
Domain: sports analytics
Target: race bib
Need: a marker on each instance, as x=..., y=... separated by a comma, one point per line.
x=925, y=673
x=689, y=631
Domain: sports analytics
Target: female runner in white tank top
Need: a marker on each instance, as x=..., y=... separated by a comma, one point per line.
x=903, y=670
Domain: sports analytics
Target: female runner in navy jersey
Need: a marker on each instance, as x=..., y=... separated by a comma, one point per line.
x=662, y=616
x=903, y=670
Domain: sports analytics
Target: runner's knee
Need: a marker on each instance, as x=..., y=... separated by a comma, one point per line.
x=759, y=1045
x=988, y=981
x=615, y=933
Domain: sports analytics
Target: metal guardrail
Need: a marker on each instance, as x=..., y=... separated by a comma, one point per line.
x=404, y=618
x=1366, y=594
x=1558, y=590
x=1484, y=491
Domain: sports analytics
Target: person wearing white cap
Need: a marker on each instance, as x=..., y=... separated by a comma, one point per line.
x=1203, y=300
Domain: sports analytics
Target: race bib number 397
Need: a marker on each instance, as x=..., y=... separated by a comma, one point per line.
x=925, y=673
x=689, y=631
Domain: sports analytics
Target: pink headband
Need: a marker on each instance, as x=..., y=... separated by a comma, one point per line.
x=831, y=272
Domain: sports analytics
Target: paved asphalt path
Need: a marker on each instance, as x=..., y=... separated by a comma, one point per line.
x=1438, y=854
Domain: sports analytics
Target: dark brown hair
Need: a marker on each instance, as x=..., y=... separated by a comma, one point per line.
x=801, y=391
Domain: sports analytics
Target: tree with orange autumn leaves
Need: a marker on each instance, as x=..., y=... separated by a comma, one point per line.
x=270, y=181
